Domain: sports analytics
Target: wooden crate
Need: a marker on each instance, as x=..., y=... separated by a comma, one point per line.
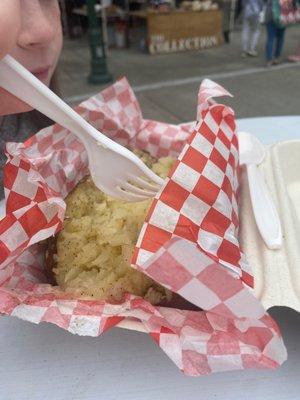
x=183, y=30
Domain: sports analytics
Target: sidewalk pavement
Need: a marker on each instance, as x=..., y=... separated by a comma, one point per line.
x=167, y=85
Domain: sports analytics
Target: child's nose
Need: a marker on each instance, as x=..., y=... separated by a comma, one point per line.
x=37, y=29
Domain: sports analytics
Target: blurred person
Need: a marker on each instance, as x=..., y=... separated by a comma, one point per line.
x=226, y=7
x=251, y=26
x=275, y=35
x=238, y=10
x=31, y=33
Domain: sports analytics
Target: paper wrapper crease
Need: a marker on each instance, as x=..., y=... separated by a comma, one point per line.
x=188, y=242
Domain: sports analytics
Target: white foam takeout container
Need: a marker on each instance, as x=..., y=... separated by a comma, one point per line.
x=276, y=272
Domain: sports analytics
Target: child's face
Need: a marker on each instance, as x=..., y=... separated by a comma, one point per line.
x=10, y=24
x=38, y=46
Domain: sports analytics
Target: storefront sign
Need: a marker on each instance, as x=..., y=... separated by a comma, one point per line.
x=183, y=30
x=159, y=44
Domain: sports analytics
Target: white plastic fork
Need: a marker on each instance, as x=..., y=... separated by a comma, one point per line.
x=114, y=169
x=252, y=153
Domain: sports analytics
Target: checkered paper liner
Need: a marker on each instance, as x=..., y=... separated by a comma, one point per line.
x=188, y=242
x=199, y=199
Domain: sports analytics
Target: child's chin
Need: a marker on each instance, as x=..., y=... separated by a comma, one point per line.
x=10, y=104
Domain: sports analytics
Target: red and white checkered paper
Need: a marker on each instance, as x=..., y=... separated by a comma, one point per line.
x=188, y=242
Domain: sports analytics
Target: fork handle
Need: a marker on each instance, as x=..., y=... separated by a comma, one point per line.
x=20, y=82
x=265, y=213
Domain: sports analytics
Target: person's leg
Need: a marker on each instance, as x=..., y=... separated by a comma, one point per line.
x=279, y=42
x=245, y=34
x=270, y=41
x=255, y=34
x=238, y=9
x=226, y=36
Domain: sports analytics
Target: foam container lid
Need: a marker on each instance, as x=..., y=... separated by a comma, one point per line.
x=276, y=272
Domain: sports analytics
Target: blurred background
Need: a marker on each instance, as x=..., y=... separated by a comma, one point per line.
x=166, y=47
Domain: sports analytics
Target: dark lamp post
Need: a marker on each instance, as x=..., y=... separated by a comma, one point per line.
x=99, y=72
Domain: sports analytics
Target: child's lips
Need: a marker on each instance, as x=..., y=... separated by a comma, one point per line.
x=41, y=73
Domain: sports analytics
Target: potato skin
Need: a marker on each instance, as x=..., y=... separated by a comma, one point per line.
x=50, y=259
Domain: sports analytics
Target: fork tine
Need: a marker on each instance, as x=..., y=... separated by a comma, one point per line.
x=129, y=196
x=143, y=183
x=128, y=187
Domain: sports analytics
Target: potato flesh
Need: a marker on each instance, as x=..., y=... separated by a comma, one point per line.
x=96, y=244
